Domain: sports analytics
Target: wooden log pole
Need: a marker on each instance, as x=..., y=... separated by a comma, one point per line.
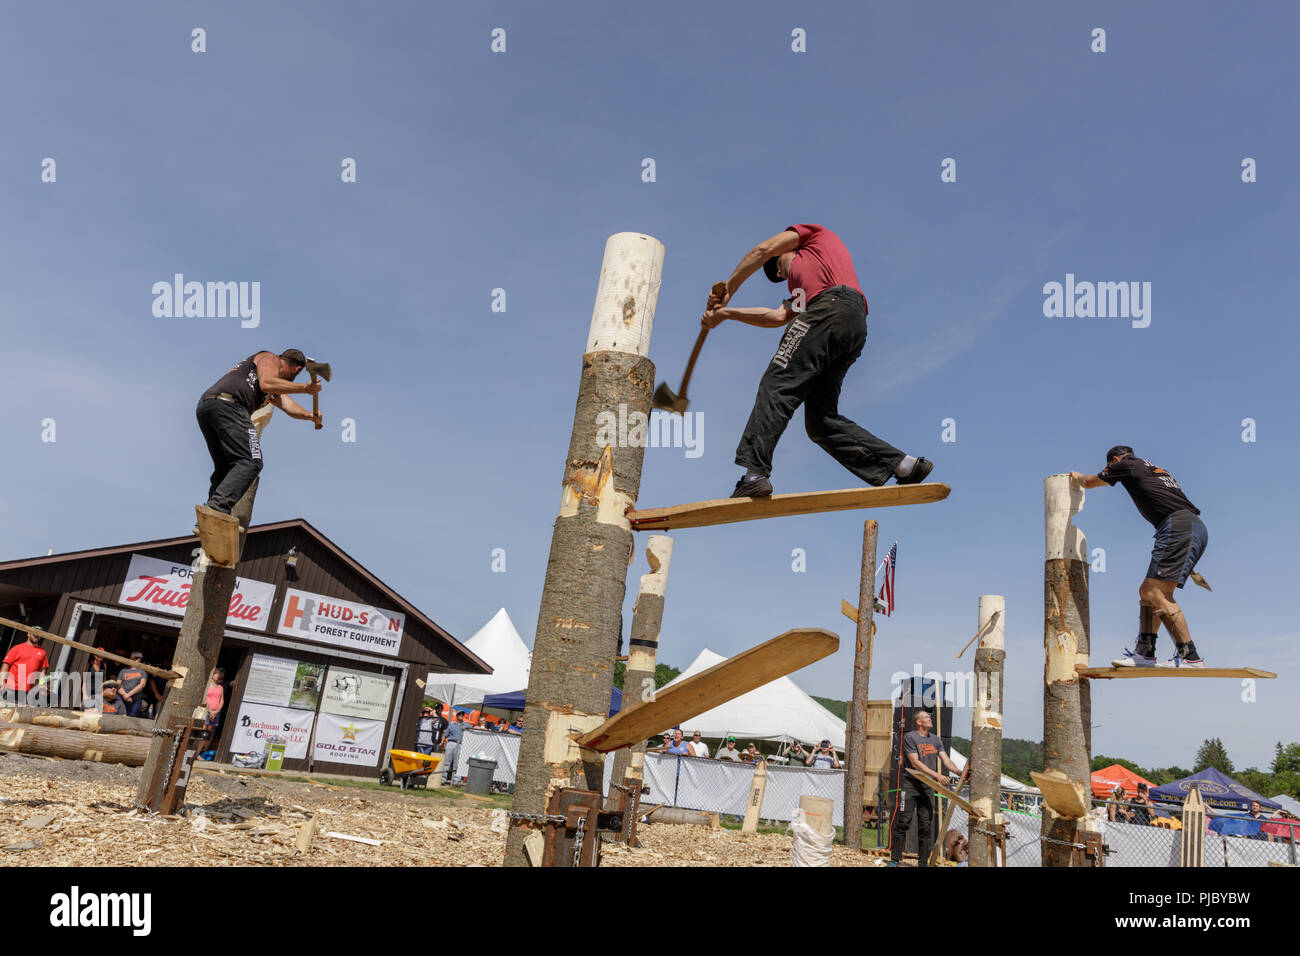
x=197, y=647
x=580, y=621
x=682, y=816
x=643, y=651
x=77, y=645
x=754, y=806
x=1067, y=708
x=78, y=720
x=74, y=744
x=1192, y=850
x=986, y=732
x=855, y=744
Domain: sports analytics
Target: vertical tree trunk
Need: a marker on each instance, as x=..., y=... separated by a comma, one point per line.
x=643, y=649
x=986, y=733
x=855, y=744
x=1067, y=710
x=580, y=621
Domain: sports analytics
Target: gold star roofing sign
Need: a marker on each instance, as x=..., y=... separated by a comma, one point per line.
x=349, y=732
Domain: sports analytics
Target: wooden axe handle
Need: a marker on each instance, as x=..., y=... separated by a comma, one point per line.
x=315, y=403
x=719, y=290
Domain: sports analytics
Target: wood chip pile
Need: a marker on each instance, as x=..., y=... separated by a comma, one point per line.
x=68, y=813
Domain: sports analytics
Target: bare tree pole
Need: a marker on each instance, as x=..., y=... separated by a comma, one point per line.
x=1067, y=702
x=986, y=733
x=855, y=745
x=643, y=649
x=580, y=622
x=197, y=646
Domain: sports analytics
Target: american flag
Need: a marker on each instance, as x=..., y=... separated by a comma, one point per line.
x=887, y=589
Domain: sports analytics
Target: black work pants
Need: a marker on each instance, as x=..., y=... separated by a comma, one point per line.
x=919, y=801
x=809, y=367
x=235, y=448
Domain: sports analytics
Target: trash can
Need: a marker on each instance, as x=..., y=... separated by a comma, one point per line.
x=479, y=781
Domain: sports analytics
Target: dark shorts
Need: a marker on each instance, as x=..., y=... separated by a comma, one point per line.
x=1181, y=539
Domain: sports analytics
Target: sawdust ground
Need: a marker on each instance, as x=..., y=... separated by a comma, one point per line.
x=76, y=813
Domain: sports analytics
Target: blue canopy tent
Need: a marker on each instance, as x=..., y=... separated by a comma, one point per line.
x=515, y=701
x=1218, y=790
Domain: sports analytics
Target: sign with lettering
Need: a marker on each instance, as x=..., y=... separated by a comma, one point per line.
x=358, y=627
x=164, y=587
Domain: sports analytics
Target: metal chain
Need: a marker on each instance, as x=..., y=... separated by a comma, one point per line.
x=992, y=833
x=577, y=842
x=1076, y=846
x=162, y=732
x=545, y=819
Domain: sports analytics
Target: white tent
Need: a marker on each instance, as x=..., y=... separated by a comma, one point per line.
x=774, y=711
x=1288, y=803
x=498, y=644
x=1008, y=783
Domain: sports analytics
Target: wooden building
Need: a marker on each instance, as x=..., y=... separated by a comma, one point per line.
x=317, y=651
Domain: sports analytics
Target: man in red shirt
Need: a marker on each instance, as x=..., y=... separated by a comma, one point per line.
x=826, y=316
x=23, y=665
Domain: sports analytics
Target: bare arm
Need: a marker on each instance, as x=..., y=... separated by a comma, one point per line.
x=778, y=245
x=292, y=408
x=1086, y=481
x=922, y=769
x=763, y=318
x=947, y=762
x=268, y=376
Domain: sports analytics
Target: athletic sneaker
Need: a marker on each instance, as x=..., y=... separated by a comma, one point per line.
x=1143, y=656
x=920, y=471
x=757, y=487
x=1185, y=655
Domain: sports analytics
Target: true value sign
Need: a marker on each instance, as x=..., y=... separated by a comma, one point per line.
x=164, y=586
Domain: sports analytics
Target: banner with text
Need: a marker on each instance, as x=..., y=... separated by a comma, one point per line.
x=284, y=682
x=353, y=693
x=258, y=721
x=359, y=627
x=164, y=586
x=349, y=740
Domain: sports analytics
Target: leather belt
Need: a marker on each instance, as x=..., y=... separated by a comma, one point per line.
x=223, y=396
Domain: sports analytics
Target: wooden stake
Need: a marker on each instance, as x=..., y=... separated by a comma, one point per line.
x=1193, y=832
x=754, y=807
x=855, y=745
x=985, y=764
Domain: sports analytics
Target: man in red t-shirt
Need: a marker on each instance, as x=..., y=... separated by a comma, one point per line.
x=23, y=665
x=826, y=316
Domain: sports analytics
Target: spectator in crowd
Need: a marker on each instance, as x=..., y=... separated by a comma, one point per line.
x=697, y=745
x=794, y=753
x=1139, y=808
x=1257, y=815
x=923, y=752
x=133, y=684
x=454, y=732
x=109, y=704
x=157, y=692
x=823, y=757
x=23, y=665
x=93, y=681
x=424, y=732
x=729, y=752
x=439, y=726
x=664, y=744
x=214, y=699
x=1116, y=809
x=754, y=754
x=678, y=745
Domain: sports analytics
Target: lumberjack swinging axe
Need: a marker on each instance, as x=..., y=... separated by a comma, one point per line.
x=675, y=402
x=315, y=369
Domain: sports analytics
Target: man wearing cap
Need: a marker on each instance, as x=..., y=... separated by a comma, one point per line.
x=827, y=330
x=823, y=757
x=729, y=752
x=224, y=415
x=1139, y=808
x=425, y=732
x=133, y=680
x=1180, y=540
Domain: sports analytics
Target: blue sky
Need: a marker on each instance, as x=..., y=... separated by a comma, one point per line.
x=479, y=171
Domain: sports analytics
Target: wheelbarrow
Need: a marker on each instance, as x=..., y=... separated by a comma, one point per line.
x=410, y=768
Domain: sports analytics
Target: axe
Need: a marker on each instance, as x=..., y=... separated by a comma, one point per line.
x=675, y=402
x=315, y=368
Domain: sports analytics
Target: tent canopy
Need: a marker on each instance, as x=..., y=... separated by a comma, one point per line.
x=1218, y=790
x=1105, y=780
x=515, y=700
x=1288, y=803
x=775, y=711
x=498, y=644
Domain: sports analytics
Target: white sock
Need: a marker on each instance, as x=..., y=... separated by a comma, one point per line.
x=905, y=466
x=753, y=474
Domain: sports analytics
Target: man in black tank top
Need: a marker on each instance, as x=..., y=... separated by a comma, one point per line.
x=224, y=415
x=1180, y=540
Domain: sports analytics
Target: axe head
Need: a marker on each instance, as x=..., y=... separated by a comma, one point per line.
x=667, y=400
x=318, y=369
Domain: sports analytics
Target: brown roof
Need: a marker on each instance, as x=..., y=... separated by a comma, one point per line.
x=299, y=523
